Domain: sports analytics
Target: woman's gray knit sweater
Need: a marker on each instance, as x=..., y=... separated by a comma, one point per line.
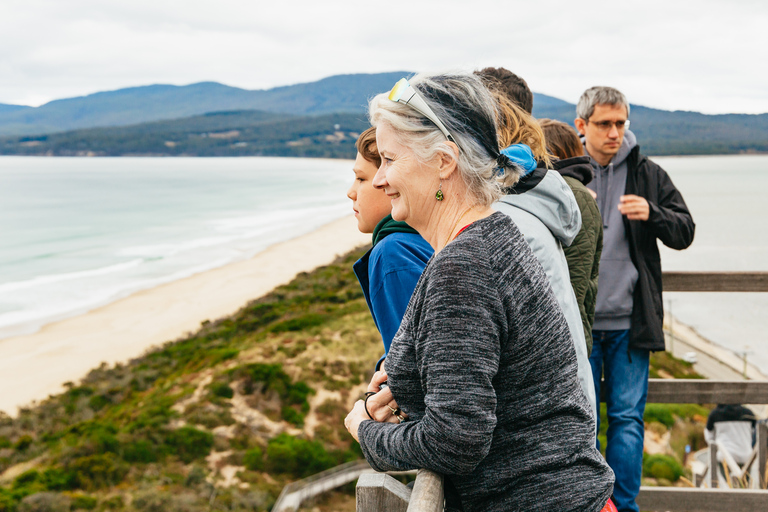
x=484, y=366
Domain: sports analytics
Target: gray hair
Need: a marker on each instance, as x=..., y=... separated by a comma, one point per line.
x=470, y=113
x=599, y=95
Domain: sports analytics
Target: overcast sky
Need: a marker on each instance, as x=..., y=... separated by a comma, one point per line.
x=703, y=55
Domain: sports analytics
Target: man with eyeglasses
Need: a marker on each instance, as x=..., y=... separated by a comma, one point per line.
x=639, y=204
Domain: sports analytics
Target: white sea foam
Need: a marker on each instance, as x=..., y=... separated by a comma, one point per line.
x=68, y=276
x=146, y=227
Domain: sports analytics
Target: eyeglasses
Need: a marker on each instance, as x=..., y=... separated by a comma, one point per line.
x=605, y=126
x=404, y=93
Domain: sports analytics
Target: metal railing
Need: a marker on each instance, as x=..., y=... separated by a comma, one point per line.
x=379, y=492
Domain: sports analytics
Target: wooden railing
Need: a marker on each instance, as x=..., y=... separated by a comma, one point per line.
x=380, y=492
x=696, y=391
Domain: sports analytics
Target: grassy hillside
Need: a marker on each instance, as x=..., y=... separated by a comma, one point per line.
x=220, y=420
x=223, y=419
x=259, y=133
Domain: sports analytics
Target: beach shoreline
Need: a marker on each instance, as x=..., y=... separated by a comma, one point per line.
x=712, y=360
x=34, y=366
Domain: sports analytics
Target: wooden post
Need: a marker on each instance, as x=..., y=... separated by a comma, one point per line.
x=377, y=492
x=713, y=466
x=688, y=499
x=427, y=495
x=762, y=453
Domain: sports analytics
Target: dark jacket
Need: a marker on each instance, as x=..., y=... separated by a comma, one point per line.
x=583, y=255
x=669, y=221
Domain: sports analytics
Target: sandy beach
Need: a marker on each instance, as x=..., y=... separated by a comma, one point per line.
x=32, y=367
x=35, y=366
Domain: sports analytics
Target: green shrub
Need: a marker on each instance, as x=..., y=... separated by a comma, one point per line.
x=665, y=413
x=196, y=476
x=223, y=354
x=140, y=450
x=222, y=389
x=26, y=478
x=292, y=416
x=254, y=459
x=299, y=323
x=98, y=402
x=112, y=503
x=297, y=457
x=660, y=413
x=97, y=471
x=7, y=501
x=56, y=479
x=189, y=443
x=273, y=378
x=23, y=443
x=662, y=466
x=83, y=502
x=5, y=442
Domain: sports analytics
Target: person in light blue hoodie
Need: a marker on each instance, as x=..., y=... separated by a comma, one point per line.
x=389, y=271
x=545, y=210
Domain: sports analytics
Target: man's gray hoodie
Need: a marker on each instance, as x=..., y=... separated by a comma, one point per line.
x=545, y=210
x=618, y=275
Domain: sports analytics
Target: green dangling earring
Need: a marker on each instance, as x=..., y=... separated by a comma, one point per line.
x=439, y=194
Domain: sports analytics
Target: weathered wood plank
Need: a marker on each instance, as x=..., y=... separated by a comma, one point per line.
x=698, y=391
x=376, y=492
x=686, y=499
x=715, y=281
x=427, y=495
x=762, y=454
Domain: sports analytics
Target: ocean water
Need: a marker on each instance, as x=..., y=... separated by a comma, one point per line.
x=78, y=233
x=728, y=197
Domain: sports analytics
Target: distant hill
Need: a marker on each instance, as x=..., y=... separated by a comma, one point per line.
x=176, y=120
x=259, y=133
x=12, y=108
x=340, y=93
x=239, y=133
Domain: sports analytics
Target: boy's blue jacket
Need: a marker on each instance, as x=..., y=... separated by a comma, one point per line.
x=388, y=274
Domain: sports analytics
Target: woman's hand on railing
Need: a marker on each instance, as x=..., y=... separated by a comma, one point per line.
x=379, y=406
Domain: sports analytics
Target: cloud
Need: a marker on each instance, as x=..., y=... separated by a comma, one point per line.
x=696, y=55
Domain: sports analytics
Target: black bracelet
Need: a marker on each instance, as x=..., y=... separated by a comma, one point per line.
x=368, y=395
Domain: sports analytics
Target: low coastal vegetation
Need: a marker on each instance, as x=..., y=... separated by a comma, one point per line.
x=223, y=419
x=220, y=420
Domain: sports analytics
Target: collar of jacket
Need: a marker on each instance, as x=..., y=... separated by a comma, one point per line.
x=387, y=226
x=578, y=167
x=528, y=181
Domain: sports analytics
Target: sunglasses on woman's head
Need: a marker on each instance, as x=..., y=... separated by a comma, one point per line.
x=403, y=92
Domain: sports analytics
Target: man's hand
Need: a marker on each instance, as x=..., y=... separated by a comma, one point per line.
x=634, y=207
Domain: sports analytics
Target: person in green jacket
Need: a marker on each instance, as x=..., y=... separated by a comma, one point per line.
x=583, y=255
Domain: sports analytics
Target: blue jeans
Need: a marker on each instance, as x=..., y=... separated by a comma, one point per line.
x=626, y=388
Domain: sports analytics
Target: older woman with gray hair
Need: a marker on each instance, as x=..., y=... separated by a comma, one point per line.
x=481, y=376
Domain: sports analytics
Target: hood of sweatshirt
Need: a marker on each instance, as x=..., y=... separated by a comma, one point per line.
x=609, y=180
x=545, y=195
x=578, y=167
